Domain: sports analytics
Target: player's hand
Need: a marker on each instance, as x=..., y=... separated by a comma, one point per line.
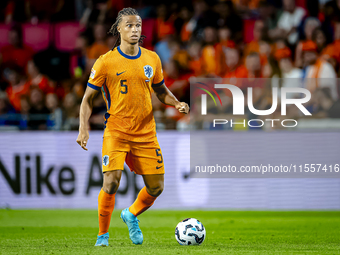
x=182, y=107
x=82, y=139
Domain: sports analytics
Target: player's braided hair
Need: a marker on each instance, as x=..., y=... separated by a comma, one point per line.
x=113, y=30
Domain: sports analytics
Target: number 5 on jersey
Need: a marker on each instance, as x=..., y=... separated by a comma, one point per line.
x=124, y=87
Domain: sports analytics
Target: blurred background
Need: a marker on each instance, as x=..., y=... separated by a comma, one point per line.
x=47, y=49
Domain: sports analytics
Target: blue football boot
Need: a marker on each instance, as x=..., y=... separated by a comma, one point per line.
x=131, y=221
x=103, y=240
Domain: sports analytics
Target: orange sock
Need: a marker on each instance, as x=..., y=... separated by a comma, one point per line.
x=143, y=201
x=106, y=203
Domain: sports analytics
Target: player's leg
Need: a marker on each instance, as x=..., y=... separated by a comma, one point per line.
x=153, y=188
x=144, y=159
x=106, y=199
x=154, y=185
x=113, y=159
x=106, y=203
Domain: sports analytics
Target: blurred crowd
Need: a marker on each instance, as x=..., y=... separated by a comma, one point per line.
x=269, y=39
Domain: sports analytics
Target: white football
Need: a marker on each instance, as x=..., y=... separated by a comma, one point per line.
x=190, y=232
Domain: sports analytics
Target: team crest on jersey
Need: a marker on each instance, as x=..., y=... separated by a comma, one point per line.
x=105, y=160
x=148, y=71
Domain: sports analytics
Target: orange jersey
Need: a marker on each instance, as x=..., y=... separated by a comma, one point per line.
x=126, y=83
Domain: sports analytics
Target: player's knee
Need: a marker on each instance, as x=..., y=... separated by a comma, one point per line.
x=111, y=187
x=156, y=190
x=111, y=183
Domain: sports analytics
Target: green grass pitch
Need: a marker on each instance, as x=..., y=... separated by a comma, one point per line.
x=228, y=232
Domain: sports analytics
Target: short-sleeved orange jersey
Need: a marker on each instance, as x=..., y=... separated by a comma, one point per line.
x=126, y=83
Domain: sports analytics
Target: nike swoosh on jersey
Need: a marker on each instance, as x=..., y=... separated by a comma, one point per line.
x=120, y=73
x=158, y=167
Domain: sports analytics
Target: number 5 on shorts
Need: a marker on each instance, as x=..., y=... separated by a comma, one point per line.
x=159, y=154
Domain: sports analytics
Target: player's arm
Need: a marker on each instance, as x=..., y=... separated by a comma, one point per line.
x=84, y=116
x=166, y=97
x=96, y=79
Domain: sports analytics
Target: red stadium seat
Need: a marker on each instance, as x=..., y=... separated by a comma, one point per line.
x=4, y=35
x=148, y=29
x=66, y=34
x=36, y=36
x=248, y=30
